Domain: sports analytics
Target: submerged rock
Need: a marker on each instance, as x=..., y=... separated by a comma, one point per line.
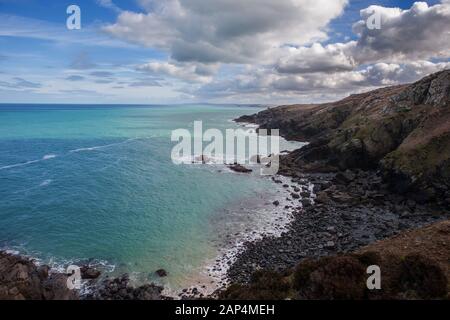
x=88, y=272
x=161, y=273
x=239, y=168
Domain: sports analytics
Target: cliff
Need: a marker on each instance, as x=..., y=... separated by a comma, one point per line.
x=403, y=130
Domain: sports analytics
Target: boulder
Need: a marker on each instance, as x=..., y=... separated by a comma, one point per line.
x=88, y=272
x=240, y=169
x=161, y=273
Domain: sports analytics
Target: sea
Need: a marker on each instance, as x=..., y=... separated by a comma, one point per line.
x=95, y=184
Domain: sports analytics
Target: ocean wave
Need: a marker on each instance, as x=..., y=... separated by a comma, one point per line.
x=46, y=182
x=49, y=156
x=46, y=157
x=52, y=156
x=102, y=146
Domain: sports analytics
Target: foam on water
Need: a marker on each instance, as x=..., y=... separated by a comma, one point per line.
x=46, y=157
x=128, y=206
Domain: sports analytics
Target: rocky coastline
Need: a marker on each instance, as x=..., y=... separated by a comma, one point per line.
x=377, y=167
x=380, y=166
x=350, y=210
x=22, y=278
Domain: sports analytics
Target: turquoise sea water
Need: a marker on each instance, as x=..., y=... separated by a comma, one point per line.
x=97, y=182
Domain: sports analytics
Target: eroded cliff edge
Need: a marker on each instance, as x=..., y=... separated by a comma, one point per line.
x=402, y=130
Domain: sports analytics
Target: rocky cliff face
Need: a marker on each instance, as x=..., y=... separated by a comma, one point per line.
x=402, y=130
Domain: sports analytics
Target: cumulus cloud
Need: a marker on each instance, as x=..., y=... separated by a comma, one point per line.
x=421, y=32
x=331, y=58
x=277, y=47
x=261, y=84
x=228, y=31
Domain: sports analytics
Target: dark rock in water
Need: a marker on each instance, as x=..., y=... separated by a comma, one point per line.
x=276, y=203
x=88, y=272
x=295, y=196
x=161, y=273
x=239, y=168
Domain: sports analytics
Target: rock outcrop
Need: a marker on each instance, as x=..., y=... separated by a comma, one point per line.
x=402, y=130
x=22, y=279
x=120, y=289
x=413, y=264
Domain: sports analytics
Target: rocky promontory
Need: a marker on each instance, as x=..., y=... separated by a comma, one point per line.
x=22, y=279
x=404, y=131
x=380, y=165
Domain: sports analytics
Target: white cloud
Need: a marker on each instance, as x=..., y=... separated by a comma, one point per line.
x=186, y=71
x=421, y=32
x=263, y=85
x=109, y=5
x=331, y=58
x=228, y=31
x=277, y=46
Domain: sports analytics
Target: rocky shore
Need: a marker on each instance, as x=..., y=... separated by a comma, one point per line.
x=413, y=265
x=21, y=278
x=380, y=165
x=350, y=210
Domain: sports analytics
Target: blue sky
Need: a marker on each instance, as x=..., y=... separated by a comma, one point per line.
x=150, y=51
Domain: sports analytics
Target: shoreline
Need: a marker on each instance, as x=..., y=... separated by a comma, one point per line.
x=352, y=209
x=216, y=268
x=281, y=246
x=276, y=220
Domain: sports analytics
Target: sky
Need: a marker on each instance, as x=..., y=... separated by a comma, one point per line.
x=216, y=51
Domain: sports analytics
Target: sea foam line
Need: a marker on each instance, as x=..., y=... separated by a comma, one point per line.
x=46, y=157
x=101, y=147
x=52, y=156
